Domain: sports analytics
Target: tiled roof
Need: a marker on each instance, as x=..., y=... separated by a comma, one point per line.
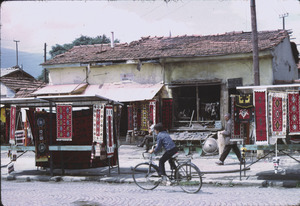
x=6, y=71
x=180, y=46
x=22, y=86
x=15, y=71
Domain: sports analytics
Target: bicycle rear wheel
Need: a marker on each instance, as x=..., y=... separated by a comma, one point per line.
x=146, y=176
x=189, y=178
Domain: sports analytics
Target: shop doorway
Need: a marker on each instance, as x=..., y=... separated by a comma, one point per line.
x=196, y=103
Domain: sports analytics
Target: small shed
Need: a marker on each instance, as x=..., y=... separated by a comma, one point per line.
x=15, y=82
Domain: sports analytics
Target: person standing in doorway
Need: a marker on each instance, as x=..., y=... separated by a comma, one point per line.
x=148, y=138
x=228, y=145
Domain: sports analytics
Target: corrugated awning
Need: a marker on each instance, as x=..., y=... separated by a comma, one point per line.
x=121, y=91
x=44, y=101
x=125, y=92
x=61, y=89
x=285, y=86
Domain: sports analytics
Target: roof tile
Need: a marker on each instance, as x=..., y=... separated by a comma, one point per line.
x=21, y=85
x=180, y=46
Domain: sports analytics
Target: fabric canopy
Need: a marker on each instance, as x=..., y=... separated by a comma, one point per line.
x=61, y=89
x=125, y=92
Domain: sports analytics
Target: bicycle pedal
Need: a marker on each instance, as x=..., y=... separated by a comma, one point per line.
x=166, y=183
x=173, y=182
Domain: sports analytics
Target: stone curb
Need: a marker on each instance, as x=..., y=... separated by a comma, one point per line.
x=128, y=179
x=231, y=183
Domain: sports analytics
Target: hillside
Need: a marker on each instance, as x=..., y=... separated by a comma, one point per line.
x=29, y=61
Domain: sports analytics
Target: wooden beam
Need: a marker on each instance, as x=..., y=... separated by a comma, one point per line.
x=272, y=147
x=51, y=148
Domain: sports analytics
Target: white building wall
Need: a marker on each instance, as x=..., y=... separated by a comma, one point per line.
x=7, y=92
x=220, y=69
x=149, y=73
x=67, y=75
x=285, y=68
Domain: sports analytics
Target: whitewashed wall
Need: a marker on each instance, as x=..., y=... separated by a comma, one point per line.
x=285, y=68
x=6, y=92
x=67, y=75
x=238, y=66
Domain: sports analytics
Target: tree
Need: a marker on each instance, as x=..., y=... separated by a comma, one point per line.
x=82, y=40
x=59, y=49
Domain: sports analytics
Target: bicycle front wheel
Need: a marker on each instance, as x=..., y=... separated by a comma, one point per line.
x=189, y=178
x=146, y=176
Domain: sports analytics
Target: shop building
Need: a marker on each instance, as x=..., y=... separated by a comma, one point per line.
x=185, y=82
x=191, y=77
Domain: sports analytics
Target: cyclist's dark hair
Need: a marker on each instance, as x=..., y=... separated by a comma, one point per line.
x=159, y=127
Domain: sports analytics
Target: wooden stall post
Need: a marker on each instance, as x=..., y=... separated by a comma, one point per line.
x=50, y=136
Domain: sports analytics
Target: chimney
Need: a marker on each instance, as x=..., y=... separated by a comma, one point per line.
x=112, y=40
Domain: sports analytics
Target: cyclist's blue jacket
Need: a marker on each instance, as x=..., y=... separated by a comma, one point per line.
x=164, y=140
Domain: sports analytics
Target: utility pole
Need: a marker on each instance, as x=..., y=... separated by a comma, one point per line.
x=45, y=52
x=283, y=19
x=254, y=44
x=45, y=59
x=17, y=52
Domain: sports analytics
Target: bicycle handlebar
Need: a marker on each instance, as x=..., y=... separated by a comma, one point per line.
x=144, y=154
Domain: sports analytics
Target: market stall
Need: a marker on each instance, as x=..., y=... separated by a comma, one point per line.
x=69, y=131
x=267, y=118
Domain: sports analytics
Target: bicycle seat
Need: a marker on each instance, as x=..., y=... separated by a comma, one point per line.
x=175, y=155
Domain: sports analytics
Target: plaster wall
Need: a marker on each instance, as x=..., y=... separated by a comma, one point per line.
x=285, y=68
x=209, y=70
x=6, y=92
x=265, y=71
x=155, y=73
x=67, y=75
x=149, y=73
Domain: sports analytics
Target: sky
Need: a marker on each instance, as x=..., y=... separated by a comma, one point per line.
x=34, y=23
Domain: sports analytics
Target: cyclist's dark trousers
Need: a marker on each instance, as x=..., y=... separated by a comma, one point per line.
x=166, y=156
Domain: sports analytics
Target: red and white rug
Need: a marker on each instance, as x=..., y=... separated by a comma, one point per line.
x=98, y=123
x=261, y=123
x=277, y=114
x=294, y=113
x=110, y=145
x=64, y=122
x=13, y=111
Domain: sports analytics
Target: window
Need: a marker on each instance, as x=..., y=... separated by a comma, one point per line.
x=199, y=103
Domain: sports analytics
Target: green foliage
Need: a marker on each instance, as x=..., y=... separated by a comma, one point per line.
x=82, y=40
x=58, y=49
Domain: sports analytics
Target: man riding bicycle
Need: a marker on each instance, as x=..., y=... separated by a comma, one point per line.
x=164, y=140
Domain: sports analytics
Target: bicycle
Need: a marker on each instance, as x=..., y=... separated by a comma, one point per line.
x=185, y=174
